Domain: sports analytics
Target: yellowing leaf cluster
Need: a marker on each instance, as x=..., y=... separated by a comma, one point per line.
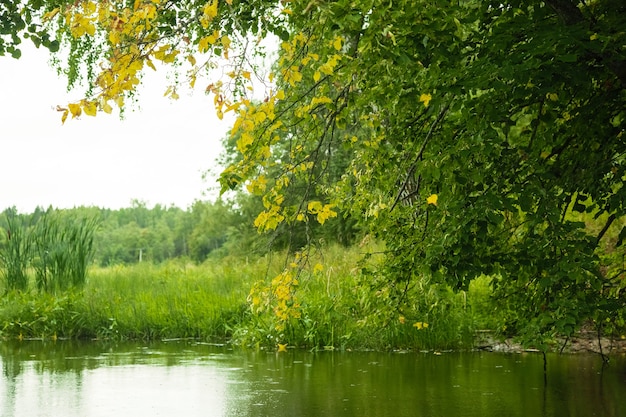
x=323, y=211
x=269, y=219
x=130, y=33
x=209, y=13
x=279, y=296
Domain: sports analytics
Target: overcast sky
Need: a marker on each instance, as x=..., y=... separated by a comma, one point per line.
x=156, y=154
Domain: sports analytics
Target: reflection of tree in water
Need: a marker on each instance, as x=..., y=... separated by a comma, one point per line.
x=11, y=363
x=342, y=384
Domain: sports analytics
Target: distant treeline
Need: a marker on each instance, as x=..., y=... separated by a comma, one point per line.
x=207, y=228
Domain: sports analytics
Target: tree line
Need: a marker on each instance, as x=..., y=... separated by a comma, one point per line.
x=140, y=233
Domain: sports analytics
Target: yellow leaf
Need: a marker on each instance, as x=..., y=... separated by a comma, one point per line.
x=171, y=57
x=191, y=59
x=257, y=186
x=90, y=108
x=280, y=95
x=337, y=43
x=50, y=14
x=316, y=76
x=314, y=207
x=64, y=116
x=432, y=199
x=205, y=43
x=320, y=100
x=114, y=37
x=425, y=98
x=209, y=13
x=75, y=109
x=326, y=213
x=226, y=41
x=244, y=141
x=259, y=117
x=90, y=29
x=106, y=107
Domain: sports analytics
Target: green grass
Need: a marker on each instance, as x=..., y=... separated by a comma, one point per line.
x=340, y=307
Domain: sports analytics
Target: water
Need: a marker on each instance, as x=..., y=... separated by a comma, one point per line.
x=191, y=379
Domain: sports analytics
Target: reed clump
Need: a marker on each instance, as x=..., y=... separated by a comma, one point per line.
x=54, y=247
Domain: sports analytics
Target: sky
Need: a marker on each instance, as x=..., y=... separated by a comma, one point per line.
x=156, y=154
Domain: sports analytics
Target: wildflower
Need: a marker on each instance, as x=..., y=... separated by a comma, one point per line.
x=420, y=325
x=401, y=319
x=282, y=348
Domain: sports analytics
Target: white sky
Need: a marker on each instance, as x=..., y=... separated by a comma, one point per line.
x=156, y=154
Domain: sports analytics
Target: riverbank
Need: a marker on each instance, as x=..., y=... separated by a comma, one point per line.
x=585, y=341
x=334, y=305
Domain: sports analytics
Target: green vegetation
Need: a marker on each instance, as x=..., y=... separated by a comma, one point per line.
x=15, y=255
x=338, y=296
x=57, y=246
x=211, y=301
x=470, y=139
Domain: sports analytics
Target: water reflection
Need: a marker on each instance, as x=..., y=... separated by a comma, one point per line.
x=193, y=379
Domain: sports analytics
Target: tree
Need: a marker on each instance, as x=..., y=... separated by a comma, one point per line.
x=474, y=131
x=18, y=20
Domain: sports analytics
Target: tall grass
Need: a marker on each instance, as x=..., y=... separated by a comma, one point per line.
x=15, y=253
x=57, y=248
x=63, y=248
x=339, y=309
x=176, y=299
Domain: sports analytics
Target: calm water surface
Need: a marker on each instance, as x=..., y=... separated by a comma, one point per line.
x=192, y=379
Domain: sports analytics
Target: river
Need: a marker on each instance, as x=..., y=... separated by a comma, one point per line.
x=190, y=379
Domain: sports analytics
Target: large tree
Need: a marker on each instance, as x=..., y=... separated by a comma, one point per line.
x=478, y=134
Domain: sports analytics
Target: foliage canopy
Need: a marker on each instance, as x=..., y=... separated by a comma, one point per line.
x=471, y=137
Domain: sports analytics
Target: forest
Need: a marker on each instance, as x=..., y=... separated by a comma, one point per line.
x=465, y=158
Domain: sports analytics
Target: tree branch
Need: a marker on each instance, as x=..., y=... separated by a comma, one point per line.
x=608, y=223
x=420, y=154
x=567, y=11
x=570, y=14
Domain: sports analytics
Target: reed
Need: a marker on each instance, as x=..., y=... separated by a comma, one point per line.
x=15, y=253
x=63, y=249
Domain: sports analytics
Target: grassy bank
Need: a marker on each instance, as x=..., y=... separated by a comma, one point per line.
x=339, y=306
